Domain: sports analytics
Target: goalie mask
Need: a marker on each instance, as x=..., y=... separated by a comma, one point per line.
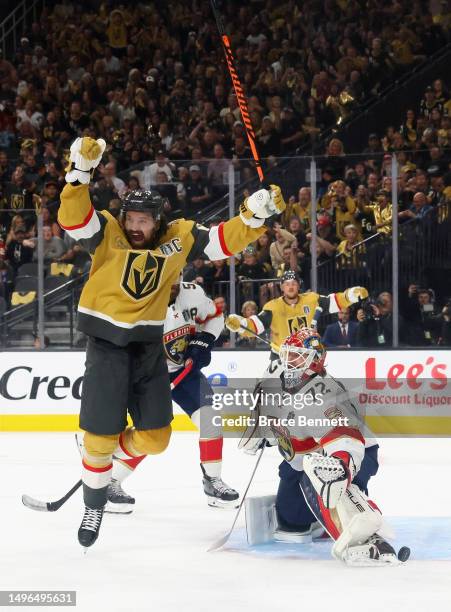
x=302, y=355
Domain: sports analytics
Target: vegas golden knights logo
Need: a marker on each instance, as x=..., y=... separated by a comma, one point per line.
x=296, y=323
x=17, y=201
x=142, y=273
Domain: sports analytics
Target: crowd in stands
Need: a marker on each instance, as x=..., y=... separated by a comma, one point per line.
x=150, y=78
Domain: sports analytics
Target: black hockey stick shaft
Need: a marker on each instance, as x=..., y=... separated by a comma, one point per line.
x=241, y=98
x=220, y=543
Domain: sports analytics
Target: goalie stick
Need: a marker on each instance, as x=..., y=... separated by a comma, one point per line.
x=220, y=543
x=53, y=506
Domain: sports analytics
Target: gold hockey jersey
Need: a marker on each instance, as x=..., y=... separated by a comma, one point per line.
x=284, y=319
x=127, y=293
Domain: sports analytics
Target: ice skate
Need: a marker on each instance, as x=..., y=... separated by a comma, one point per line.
x=119, y=502
x=218, y=493
x=90, y=526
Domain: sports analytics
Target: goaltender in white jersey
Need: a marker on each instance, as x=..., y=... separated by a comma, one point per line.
x=327, y=463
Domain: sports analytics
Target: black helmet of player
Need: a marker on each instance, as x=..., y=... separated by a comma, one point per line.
x=140, y=200
x=290, y=285
x=142, y=218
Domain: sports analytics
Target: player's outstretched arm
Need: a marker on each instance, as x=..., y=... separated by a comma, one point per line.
x=76, y=214
x=334, y=302
x=249, y=326
x=230, y=237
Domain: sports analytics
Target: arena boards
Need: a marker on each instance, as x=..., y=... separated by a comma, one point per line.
x=402, y=392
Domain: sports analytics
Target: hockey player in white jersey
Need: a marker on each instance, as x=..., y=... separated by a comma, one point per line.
x=326, y=469
x=193, y=322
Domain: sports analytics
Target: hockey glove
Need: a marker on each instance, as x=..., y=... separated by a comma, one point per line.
x=354, y=294
x=199, y=350
x=234, y=323
x=261, y=205
x=85, y=155
x=330, y=476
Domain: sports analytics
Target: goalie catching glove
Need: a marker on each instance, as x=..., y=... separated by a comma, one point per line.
x=85, y=155
x=261, y=205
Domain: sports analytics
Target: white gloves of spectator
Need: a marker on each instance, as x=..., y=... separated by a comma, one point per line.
x=85, y=155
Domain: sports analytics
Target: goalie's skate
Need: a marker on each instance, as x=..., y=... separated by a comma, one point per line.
x=312, y=532
x=90, y=526
x=219, y=494
x=375, y=552
x=119, y=502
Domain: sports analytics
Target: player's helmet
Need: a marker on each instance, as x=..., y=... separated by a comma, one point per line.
x=302, y=355
x=143, y=201
x=290, y=275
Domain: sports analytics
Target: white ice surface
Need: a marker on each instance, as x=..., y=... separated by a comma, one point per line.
x=156, y=559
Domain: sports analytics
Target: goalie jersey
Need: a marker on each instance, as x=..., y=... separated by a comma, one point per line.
x=126, y=296
x=319, y=417
x=191, y=311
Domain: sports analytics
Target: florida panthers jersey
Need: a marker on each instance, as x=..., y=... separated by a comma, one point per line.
x=320, y=417
x=192, y=311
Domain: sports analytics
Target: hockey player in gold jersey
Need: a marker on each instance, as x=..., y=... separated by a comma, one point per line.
x=135, y=261
x=292, y=311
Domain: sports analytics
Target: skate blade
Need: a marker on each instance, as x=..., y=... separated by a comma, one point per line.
x=112, y=508
x=213, y=502
x=359, y=562
x=293, y=537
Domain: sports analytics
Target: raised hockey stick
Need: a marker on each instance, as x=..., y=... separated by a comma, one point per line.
x=220, y=543
x=41, y=506
x=241, y=98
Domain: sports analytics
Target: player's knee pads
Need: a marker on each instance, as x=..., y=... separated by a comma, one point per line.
x=99, y=445
x=151, y=441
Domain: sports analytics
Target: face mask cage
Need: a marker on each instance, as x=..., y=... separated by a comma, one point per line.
x=296, y=361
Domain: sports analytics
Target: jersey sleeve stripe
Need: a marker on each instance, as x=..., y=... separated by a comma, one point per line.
x=217, y=313
x=89, y=228
x=334, y=306
x=342, y=432
x=222, y=240
x=85, y=221
x=259, y=327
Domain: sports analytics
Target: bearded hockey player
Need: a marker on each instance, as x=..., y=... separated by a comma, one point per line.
x=326, y=469
x=292, y=311
x=135, y=261
x=192, y=324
